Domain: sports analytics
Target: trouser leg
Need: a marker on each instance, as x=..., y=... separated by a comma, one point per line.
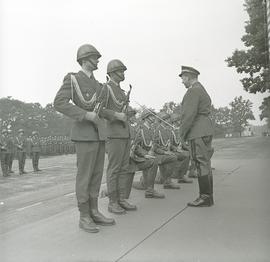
x=116, y=149
x=86, y=161
x=201, y=152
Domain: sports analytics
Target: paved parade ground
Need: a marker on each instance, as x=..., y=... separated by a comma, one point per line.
x=39, y=217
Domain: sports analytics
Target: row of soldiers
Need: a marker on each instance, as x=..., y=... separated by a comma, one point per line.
x=101, y=113
x=19, y=146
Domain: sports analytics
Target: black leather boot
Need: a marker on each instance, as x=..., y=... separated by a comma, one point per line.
x=97, y=217
x=86, y=223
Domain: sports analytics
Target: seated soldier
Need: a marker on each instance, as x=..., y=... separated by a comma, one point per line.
x=141, y=161
x=150, y=143
x=179, y=149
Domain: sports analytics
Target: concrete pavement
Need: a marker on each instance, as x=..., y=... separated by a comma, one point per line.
x=236, y=228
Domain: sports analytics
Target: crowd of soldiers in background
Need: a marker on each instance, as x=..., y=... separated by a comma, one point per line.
x=20, y=146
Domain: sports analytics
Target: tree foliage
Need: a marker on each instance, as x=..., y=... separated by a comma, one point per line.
x=265, y=109
x=240, y=113
x=15, y=114
x=254, y=60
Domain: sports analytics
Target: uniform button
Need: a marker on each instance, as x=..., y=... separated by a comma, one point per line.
x=87, y=95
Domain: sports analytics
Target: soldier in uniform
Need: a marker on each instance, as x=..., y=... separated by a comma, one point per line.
x=5, y=152
x=118, y=144
x=181, y=152
x=149, y=142
x=21, y=146
x=87, y=134
x=35, y=149
x=197, y=129
x=162, y=137
x=12, y=151
x=140, y=160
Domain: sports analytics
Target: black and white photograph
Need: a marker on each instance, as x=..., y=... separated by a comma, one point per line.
x=135, y=131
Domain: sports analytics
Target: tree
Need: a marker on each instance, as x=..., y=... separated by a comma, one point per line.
x=253, y=62
x=265, y=109
x=15, y=114
x=222, y=120
x=240, y=114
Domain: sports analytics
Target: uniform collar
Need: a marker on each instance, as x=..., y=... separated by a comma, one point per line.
x=88, y=74
x=112, y=81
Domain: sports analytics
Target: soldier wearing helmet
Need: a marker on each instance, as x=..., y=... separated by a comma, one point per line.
x=21, y=145
x=35, y=149
x=88, y=133
x=197, y=129
x=12, y=151
x=5, y=152
x=118, y=145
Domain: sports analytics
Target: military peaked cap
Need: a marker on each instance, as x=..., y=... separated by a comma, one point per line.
x=188, y=69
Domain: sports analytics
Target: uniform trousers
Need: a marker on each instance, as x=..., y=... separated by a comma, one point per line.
x=35, y=159
x=21, y=160
x=118, y=166
x=181, y=165
x=201, y=153
x=4, y=163
x=148, y=167
x=166, y=165
x=90, y=163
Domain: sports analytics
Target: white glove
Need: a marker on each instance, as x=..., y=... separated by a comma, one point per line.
x=92, y=116
x=120, y=116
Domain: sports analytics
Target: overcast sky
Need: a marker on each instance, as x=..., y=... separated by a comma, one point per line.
x=40, y=38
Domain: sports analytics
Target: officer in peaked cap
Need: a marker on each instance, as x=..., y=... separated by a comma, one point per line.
x=189, y=70
x=88, y=134
x=197, y=129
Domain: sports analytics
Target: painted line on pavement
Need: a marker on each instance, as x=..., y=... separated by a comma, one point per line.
x=70, y=194
x=22, y=208
x=152, y=233
x=49, y=167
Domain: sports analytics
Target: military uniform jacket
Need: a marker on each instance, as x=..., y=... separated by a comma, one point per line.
x=35, y=145
x=21, y=143
x=83, y=91
x=195, y=120
x=162, y=134
x=148, y=140
x=174, y=139
x=6, y=144
x=116, y=99
x=136, y=152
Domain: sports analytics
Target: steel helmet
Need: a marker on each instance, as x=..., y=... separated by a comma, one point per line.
x=34, y=133
x=87, y=50
x=115, y=65
x=20, y=131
